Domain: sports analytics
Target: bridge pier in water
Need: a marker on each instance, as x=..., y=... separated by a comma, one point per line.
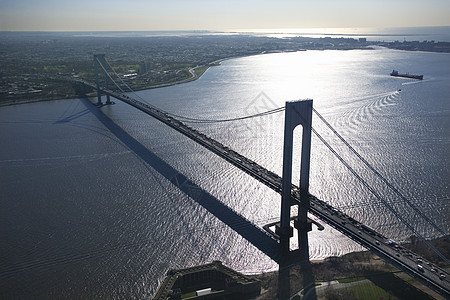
x=99, y=60
x=296, y=113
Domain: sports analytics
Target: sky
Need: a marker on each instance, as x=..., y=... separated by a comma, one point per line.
x=130, y=15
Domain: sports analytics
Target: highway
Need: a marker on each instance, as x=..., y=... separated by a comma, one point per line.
x=402, y=258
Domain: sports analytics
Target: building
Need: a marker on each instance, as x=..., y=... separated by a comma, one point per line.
x=210, y=281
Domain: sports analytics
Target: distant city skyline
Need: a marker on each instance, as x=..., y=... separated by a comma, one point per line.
x=221, y=15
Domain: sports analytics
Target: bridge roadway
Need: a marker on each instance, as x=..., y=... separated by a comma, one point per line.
x=402, y=258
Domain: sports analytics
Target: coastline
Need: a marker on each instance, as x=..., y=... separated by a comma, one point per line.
x=26, y=75
x=360, y=266
x=193, y=71
x=197, y=72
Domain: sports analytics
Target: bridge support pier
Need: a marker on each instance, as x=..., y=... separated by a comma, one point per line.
x=296, y=113
x=99, y=60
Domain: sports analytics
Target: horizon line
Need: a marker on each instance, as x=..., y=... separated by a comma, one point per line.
x=252, y=30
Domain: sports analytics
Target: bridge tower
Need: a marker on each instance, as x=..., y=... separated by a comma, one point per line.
x=99, y=60
x=296, y=113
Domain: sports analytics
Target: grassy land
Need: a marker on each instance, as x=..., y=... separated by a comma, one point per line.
x=61, y=90
x=384, y=281
x=200, y=70
x=367, y=291
x=352, y=279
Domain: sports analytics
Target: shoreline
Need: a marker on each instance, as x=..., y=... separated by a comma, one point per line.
x=350, y=267
x=192, y=70
x=195, y=75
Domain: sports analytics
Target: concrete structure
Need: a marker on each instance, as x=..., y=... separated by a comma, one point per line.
x=210, y=281
x=296, y=113
x=99, y=60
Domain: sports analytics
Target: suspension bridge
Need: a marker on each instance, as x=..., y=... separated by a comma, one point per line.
x=296, y=113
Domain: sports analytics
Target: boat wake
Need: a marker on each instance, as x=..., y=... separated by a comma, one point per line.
x=416, y=81
x=357, y=117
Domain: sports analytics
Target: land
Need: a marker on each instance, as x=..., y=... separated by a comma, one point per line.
x=427, y=46
x=357, y=275
x=30, y=62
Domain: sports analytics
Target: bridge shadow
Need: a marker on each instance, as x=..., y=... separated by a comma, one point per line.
x=249, y=231
x=72, y=117
x=397, y=287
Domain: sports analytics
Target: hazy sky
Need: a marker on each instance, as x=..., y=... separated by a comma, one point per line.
x=94, y=15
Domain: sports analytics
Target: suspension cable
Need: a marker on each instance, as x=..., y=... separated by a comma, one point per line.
x=131, y=90
x=188, y=119
x=379, y=175
x=392, y=209
x=109, y=76
x=378, y=196
x=265, y=113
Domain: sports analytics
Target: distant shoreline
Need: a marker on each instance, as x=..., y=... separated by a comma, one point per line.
x=198, y=71
x=195, y=75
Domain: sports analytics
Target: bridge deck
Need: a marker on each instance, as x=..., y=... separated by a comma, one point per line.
x=402, y=258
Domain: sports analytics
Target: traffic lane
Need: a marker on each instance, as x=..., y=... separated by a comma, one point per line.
x=402, y=256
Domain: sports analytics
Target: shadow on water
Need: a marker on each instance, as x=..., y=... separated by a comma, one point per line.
x=249, y=231
x=73, y=117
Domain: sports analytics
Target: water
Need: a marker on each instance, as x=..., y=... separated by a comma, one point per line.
x=432, y=33
x=387, y=34
x=88, y=209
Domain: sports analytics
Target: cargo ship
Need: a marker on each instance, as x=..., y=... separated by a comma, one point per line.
x=397, y=74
